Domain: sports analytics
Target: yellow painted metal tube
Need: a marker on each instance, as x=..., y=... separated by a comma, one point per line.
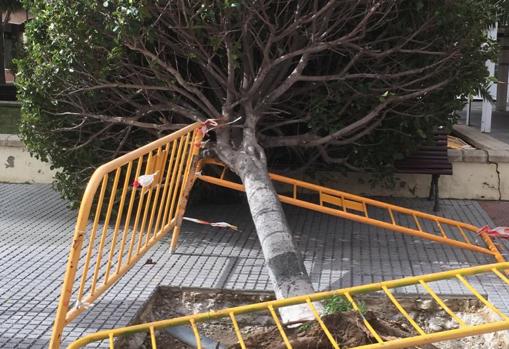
x=492, y=247
x=354, y=217
x=322, y=324
x=166, y=185
x=366, y=322
x=161, y=169
x=368, y=201
x=279, y=326
x=442, y=304
x=464, y=331
x=237, y=331
x=73, y=313
x=64, y=315
x=125, y=234
x=172, y=186
x=181, y=168
x=188, y=182
x=72, y=263
x=196, y=334
x=403, y=311
x=359, y=203
x=481, y=298
x=153, y=337
x=105, y=231
x=118, y=221
x=92, y=238
x=500, y=275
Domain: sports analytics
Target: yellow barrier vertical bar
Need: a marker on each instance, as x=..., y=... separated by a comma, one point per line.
x=72, y=263
x=492, y=247
x=188, y=182
x=125, y=189
x=196, y=334
x=178, y=160
x=403, y=311
x=153, y=337
x=161, y=169
x=343, y=203
x=182, y=190
x=322, y=324
x=111, y=342
x=392, y=216
x=148, y=202
x=169, y=171
x=417, y=222
x=366, y=322
x=481, y=298
x=442, y=231
x=177, y=182
x=105, y=231
x=463, y=234
x=128, y=217
x=92, y=238
x=442, y=304
x=279, y=327
x=138, y=212
x=237, y=331
x=500, y=275
x=365, y=208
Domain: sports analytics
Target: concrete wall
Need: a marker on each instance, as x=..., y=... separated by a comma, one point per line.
x=481, y=181
x=17, y=166
x=481, y=174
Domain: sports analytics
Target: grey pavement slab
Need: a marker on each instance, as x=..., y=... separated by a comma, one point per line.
x=36, y=231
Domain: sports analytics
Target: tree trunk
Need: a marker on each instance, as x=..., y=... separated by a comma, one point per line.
x=285, y=266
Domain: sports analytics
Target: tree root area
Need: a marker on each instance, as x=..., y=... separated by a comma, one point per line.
x=348, y=330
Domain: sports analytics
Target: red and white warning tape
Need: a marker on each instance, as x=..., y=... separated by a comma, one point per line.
x=212, y=224
x=497, y=232
x=145, y=180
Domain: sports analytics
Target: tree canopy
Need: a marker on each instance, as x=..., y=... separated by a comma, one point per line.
x=356, y=84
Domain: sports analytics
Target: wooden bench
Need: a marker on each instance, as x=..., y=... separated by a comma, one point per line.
x=429, y=159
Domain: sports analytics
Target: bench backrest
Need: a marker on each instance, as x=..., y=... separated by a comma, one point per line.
x=429, y=158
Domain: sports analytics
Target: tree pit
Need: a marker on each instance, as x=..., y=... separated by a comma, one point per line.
x=346, y=326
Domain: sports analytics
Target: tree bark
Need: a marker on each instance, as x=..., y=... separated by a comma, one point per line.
x=285, y=265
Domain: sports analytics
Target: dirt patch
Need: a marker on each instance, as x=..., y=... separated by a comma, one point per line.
x=347, y=327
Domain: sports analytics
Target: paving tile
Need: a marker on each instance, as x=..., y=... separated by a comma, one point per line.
x=36, y=231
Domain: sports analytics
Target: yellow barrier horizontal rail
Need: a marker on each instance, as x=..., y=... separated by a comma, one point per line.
x=420, y=338
x=358, y=208
x=120, y=219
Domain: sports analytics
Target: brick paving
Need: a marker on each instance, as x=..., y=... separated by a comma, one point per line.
x=36, y=231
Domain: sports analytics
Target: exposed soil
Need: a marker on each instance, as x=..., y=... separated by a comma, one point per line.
x=259, y=331
x=347, y=328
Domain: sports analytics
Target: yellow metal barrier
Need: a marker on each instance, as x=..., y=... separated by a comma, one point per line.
x=361, y=209
x=382, y=288
x=118, y=221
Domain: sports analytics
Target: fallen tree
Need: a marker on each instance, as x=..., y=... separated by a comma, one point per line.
x=323, y=80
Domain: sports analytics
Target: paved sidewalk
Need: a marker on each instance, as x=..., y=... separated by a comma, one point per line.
x=36, y=231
